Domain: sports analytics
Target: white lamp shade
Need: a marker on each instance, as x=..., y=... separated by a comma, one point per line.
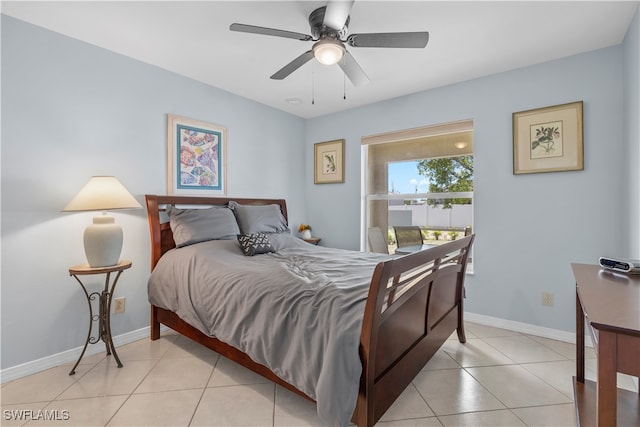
x=102, y=193
x=103, y=238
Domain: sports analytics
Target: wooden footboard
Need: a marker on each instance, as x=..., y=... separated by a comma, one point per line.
x=414, y=304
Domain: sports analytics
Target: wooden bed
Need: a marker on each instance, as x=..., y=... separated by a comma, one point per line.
x=415, y=303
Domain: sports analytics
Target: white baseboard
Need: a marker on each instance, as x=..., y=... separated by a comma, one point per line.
x=525, y=328
x=28, y=368
x=69, y=356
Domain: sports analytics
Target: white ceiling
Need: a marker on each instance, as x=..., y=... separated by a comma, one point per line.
x=467, y=40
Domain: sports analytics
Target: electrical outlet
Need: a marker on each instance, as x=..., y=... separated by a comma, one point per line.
x=547, y=298
x=118, y=305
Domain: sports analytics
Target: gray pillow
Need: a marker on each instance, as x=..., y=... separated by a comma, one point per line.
x=254, y=219
x=191, y=226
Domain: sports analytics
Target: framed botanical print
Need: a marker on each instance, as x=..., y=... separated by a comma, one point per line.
x=196, y=157
x=548, y=139
x=329, y=162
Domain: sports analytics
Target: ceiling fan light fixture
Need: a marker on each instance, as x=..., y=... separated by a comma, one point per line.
x=328, y=52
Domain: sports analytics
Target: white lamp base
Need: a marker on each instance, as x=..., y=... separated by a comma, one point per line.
x=103, y=241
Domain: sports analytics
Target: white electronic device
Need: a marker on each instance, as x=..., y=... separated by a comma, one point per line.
x=622, y=265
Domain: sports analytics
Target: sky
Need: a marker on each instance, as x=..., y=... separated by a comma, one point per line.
x=404, y=177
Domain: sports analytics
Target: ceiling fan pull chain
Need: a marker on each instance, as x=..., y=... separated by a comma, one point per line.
x=313, y=84
x=344, y=86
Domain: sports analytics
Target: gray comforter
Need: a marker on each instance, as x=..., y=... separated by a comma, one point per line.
x=297, y=311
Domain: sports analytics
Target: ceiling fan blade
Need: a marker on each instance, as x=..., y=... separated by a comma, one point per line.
x=337, y=13
x=243, y=28
x=353, y=70
x=293, y=65
x=411, y=40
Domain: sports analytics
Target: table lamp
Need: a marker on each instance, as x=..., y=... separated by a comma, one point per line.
x=103, y=238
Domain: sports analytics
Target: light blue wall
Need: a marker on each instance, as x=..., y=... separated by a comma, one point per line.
x=71, y=110
x=632, y=127
x=529, y=227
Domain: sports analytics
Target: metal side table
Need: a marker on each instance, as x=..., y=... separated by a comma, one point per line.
x=104, y=308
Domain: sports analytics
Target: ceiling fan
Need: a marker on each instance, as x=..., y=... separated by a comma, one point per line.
x=329, y=32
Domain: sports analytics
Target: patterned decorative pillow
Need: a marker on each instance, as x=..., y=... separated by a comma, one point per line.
x=255, y=244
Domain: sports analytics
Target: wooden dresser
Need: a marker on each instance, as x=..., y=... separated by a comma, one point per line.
x=610, y=304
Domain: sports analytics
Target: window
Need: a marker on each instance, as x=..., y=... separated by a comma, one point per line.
x=421, y=177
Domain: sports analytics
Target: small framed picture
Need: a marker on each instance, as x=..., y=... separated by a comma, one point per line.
x=196, y=154
x=548, y=139
x=329, y=162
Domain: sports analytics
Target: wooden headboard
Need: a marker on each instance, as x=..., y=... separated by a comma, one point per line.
x=160, y=232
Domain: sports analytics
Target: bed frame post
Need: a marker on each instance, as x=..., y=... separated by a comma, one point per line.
x=365, y=415
x=154, y=231
x=153, y=211
x=462, y=293
x=460, y=329
x=154, y=324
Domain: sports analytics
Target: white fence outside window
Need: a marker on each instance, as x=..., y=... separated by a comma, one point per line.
x=434, y=216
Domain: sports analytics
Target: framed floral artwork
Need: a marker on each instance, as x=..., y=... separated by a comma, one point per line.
x=548, y=139
x=196, y=157
x=329, y=162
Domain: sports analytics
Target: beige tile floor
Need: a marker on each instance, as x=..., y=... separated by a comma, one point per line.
x=498, y=378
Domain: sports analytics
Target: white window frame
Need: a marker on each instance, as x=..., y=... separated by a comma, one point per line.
x=398, y=136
